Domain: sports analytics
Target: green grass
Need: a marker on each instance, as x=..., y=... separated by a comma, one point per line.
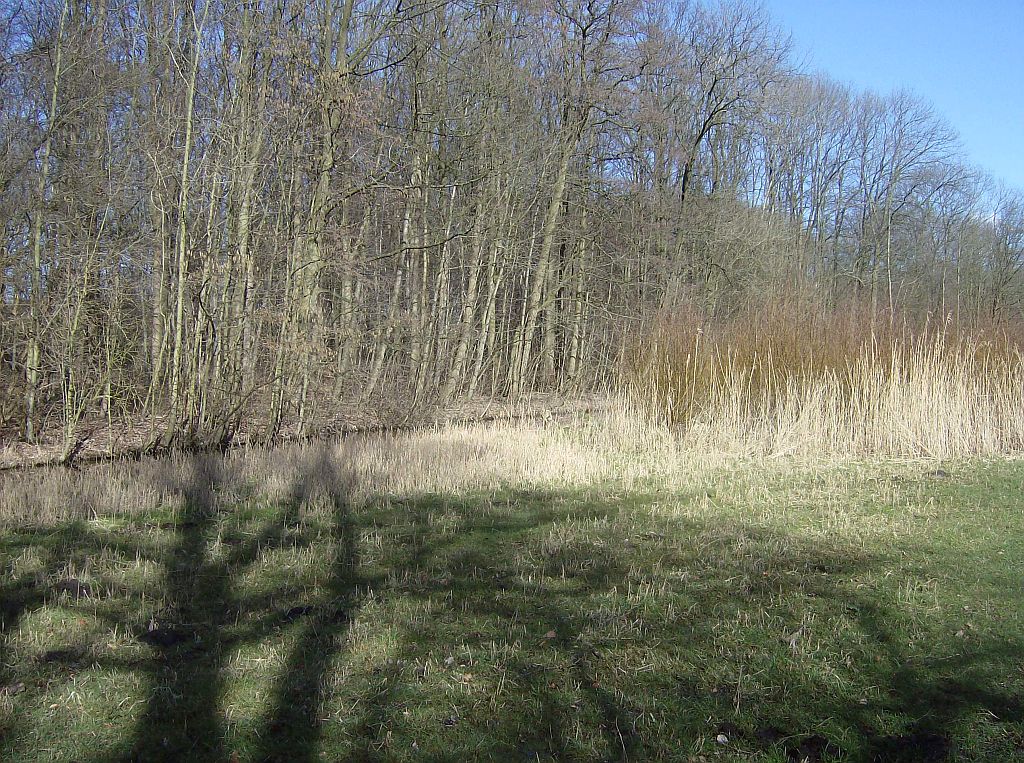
x=863, y=612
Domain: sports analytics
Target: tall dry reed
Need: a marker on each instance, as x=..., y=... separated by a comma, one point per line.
x=797, y=379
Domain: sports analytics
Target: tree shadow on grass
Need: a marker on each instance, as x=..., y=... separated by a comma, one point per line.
x=516, y=576
x=17, y=598
x=203, y=620
x=188, y=638
x=292, y=730
x=60, y=552
x=929, y=695
x=182, y=717
x=749, y=571
x=470, y=570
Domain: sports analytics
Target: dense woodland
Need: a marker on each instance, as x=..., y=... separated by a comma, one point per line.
x=264, y=213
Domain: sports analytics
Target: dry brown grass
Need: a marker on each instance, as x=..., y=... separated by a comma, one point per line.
x=796, y=379
x=611, y=447
x=451, y=459
x=689, y=419
x=98, y=439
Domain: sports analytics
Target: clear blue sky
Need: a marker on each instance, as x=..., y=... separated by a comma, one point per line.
x=964, y=56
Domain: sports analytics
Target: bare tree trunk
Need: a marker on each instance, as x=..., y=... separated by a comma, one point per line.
x=528, y=328
x=177, y=357
x=32, y=359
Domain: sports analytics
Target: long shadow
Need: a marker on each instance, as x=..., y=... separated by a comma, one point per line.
x=467, y=568
x=930, y=695
x=182, y=718
x=292, y=730
x=932, y=700
x=474, y=573
x=189, y=638
x=203, y=620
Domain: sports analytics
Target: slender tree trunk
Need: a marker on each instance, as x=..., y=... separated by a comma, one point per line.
x=540, y=274
x=32, y=359
x=182, y=247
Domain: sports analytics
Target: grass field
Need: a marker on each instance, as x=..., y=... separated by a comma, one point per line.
x=512, y=593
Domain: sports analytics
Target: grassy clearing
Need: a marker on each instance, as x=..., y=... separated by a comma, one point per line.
x=513, y=593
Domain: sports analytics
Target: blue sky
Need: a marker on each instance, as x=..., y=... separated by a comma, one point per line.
x=966, y=57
